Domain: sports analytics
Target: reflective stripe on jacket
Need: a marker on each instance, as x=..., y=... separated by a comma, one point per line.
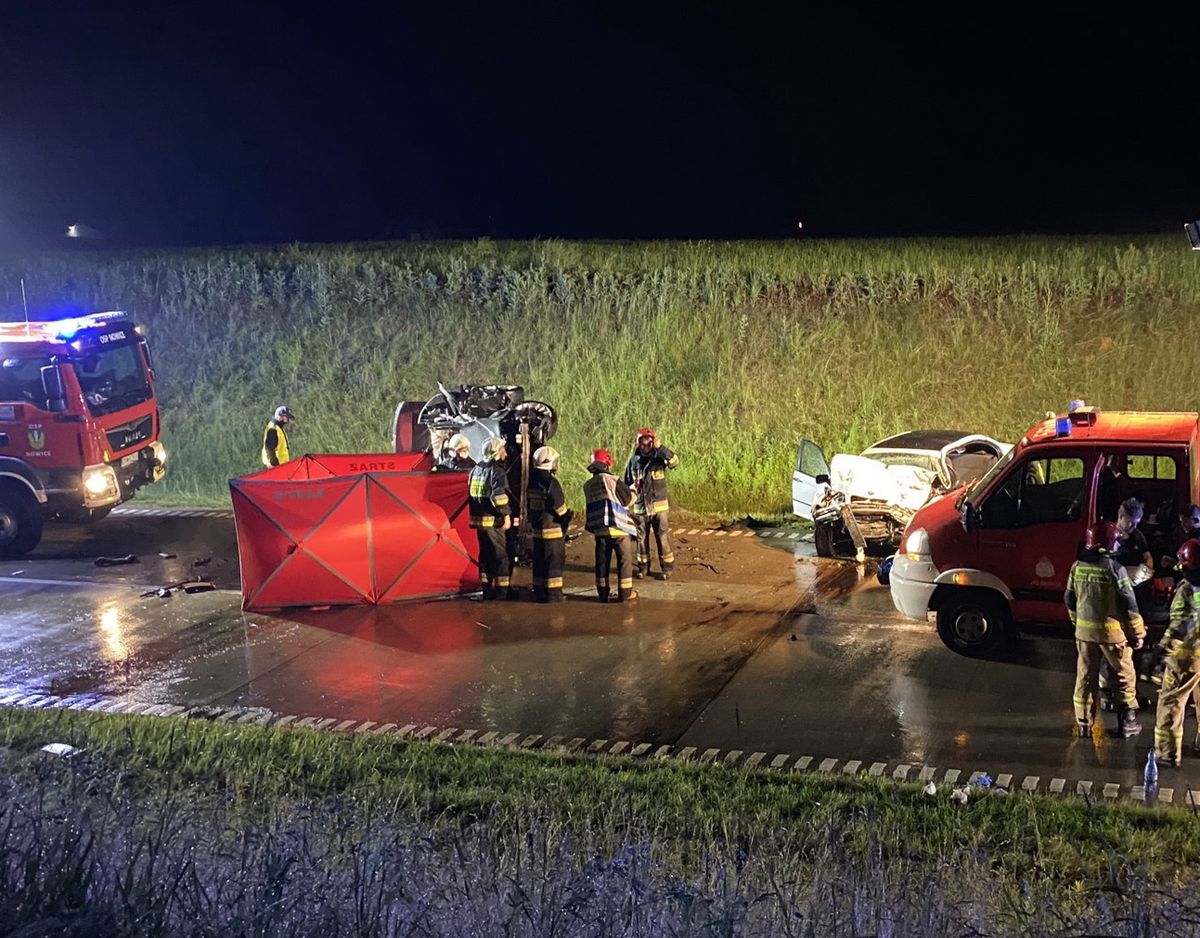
x=487, y=491
x=280, y=451
x=546, y=505
x=650, y=474
x=1101, y=604
x=608, y=500
x=1181, y=638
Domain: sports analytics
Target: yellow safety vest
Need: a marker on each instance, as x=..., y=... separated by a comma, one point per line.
x=281, y=445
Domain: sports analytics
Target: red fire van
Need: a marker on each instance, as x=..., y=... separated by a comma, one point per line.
x=994, y=555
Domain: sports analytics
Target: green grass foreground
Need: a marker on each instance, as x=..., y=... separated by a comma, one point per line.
x=734, y=351
x=686, y=809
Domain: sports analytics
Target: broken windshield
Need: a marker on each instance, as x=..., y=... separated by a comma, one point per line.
x=112, y=379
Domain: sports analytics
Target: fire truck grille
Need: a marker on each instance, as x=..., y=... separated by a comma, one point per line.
x=130, y=434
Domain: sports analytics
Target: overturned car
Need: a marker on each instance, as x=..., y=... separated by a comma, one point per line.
x=860, y=504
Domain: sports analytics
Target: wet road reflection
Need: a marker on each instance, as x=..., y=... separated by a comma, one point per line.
x=755, y=646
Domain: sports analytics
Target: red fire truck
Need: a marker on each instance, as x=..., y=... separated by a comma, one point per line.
x=79, y=424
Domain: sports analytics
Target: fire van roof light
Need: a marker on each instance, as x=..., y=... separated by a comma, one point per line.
x=69, y=328
x=1062, y=426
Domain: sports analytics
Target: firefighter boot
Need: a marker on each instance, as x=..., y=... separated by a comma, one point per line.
x=1127, y=723
x=1084, y=730
x=603, y=594
x=666, y=571
x=627, y=596
x=640, y=571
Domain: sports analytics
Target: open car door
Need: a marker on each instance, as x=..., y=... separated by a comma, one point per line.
x=810, y=480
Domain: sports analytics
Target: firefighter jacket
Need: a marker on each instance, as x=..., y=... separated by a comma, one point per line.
x=546, y=506
x=275, y=445
x=1100, y=601
x=487, y=488
x=1180, y=641
x=608, y=503
x=649, y=473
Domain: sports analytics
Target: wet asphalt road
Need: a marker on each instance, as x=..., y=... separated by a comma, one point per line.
x=754, y=645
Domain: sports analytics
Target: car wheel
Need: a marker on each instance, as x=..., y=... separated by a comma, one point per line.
x=20, y=524
x=973, y=623
x=823, y=539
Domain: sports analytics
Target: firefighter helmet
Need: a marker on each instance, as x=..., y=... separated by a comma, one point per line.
x=602, y=456
x=545, y=457
x=1188, y=556
x=493, y=449
x=283, y=412
x=457, y=442
x=1101, y=536
x=646, y=433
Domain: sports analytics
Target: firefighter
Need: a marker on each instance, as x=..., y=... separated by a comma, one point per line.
x=548, y=519
x=456, y=457
x=608, y=502
x=1178, y=646
x=646, y=475
x=491, y=517
x=275, y=442
x=1108, y=627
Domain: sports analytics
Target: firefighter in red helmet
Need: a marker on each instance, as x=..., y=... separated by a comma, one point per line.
x=646, y=475
x=1180, y=646
x=1108, y=627
x=608, y=519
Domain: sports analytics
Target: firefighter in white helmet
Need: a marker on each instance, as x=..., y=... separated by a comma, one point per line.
x=456, y=457
x=275, y=442
x=491, y=517
x=548, y=519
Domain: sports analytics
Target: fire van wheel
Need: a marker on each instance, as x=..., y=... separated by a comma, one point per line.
x=20, y=524
x=973, y=623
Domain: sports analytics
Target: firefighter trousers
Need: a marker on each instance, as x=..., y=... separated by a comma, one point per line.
x=495, y=567
x=606, y=547
x=1177, y=687
x=655, y=523
x=548, y=556
x=1087, y=677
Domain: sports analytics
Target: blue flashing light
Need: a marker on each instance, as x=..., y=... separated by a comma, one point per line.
x=1062, y=426
x=69, y=328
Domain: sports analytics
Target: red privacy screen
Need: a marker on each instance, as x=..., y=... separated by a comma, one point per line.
x=344, y=530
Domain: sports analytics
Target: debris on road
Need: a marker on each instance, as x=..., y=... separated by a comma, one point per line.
x=202, y=562
x=17, y=573
x=960, y=795
x=163, y=593
x=930, y=789
x=60, y=749
x=116, y=561
x=198, y=586
x=166, y=556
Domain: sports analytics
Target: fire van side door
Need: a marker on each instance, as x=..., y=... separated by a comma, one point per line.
x=1030, y=528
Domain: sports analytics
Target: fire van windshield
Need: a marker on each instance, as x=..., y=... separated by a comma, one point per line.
x=112, y=379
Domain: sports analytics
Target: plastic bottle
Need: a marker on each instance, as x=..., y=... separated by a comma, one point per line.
x=1151, y=775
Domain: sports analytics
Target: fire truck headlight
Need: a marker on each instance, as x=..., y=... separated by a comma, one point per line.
x=160, y=452
x=100, y=485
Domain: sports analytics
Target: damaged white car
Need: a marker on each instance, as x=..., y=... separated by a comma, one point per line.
x=863, y=503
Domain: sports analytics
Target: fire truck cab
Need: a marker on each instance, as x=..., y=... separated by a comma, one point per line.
x=79, y=423
x=993, y=555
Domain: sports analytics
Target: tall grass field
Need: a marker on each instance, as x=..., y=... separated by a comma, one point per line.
x=733, y=351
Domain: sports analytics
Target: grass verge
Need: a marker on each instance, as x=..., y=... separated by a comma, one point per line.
x=688, y=836
x=733, y=351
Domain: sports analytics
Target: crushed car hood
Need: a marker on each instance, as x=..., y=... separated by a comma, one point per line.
x=863, y=477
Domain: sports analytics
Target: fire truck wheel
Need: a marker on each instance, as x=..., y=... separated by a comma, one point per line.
x=823, y=539
x=20, y=523
x=972, y=622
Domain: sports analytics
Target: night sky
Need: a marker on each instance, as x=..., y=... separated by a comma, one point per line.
x=212, y=123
